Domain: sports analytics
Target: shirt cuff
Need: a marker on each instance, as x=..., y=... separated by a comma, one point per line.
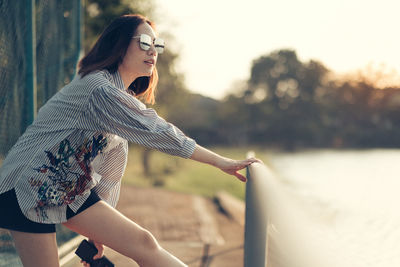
x=188, y=148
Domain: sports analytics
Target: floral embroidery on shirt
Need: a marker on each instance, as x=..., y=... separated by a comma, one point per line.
x=65, y=180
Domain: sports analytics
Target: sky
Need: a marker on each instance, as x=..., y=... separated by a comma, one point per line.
x=217, y=40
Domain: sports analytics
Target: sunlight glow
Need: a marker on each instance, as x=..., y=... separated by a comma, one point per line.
x=218, y=40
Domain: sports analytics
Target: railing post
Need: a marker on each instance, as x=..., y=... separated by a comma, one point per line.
x=80, y=30
x=255, y=225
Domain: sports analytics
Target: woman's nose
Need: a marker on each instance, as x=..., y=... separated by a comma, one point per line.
x=152, y=50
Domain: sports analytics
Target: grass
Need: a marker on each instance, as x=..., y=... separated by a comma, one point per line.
x=182, y=175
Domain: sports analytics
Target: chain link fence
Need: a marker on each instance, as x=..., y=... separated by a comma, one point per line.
x=52, y=31
x=56, y=42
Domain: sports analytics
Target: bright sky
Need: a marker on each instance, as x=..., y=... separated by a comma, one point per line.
x=218, y=39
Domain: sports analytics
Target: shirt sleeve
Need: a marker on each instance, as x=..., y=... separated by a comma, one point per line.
x=115, y=111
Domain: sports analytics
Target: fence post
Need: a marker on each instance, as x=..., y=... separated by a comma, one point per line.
x=80, y=30
x=30, y=52
x=256, y=223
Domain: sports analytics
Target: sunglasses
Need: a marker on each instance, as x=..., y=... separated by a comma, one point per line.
x=145, y=42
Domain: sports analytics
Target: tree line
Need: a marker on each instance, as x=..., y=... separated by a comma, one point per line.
x=291, y=104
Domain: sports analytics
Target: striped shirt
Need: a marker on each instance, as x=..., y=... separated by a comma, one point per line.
x=78, y=142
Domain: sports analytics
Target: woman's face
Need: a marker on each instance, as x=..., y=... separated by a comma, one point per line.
x=138, y=62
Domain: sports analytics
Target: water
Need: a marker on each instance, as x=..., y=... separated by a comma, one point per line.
x=353, y=196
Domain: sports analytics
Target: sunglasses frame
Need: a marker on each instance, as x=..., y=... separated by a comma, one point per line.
x=145, y=43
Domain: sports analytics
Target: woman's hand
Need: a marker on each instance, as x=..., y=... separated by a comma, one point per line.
x=227, y=165
x=100, y=252
x=232, y=167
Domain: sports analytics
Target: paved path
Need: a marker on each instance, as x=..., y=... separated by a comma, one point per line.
x=188, y=226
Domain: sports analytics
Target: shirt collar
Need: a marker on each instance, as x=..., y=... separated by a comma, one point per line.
x=117, y=80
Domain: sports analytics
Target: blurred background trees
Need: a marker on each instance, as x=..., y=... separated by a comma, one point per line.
x=293, y=104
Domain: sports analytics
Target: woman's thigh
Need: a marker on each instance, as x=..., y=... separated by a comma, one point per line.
x=36, y=249
x=104, y=224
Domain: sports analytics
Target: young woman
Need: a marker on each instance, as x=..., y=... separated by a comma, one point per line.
x=67, y=167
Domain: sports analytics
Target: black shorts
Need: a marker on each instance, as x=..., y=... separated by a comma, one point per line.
x=12, y=217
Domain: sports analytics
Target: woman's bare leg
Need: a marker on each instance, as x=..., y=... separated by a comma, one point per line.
x=36, y=249
x=104, y=224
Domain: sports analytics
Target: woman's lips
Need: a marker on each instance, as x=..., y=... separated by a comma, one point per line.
x=149, y=62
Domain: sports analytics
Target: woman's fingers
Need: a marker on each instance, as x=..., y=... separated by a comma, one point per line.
x=233, y=166
x=240, y=177
x=252, y=160
x=100, y=250
x=244, y=163
x=247, y=162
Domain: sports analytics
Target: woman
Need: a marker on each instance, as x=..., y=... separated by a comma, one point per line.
x=66, y=168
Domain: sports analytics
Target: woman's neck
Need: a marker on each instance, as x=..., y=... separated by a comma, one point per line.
x=127, y=77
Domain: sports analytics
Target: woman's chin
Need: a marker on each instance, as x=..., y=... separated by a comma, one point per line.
x=146, y=73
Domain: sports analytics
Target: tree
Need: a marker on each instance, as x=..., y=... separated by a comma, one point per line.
x=100, y=13
x=288, y=89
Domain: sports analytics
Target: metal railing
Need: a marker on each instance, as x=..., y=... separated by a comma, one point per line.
x=277, y=230
x=255, y=241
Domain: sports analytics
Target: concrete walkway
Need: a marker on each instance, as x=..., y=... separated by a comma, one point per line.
x=191, y=227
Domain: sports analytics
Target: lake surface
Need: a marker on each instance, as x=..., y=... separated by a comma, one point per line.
x=352, y=197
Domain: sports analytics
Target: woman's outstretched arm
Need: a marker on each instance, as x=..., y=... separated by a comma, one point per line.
x=227, y=165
